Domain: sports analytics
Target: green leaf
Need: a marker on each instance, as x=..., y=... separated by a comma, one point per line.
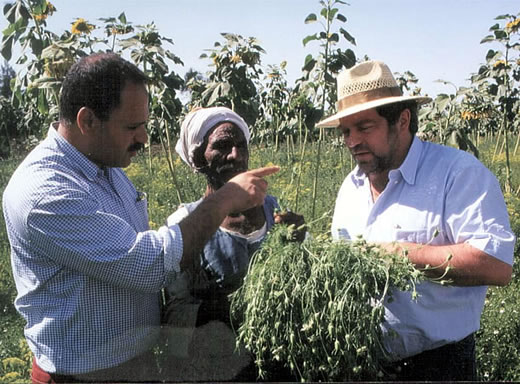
x=6, y=47
x=122, y=18
x=442, y=101
x=500, y=34
x=9, y=12
x=441, y=97
x=323, y=13
x=310, y=62
x=309, y=38
x=9, y=30
x=348, y=36
x=492, y=55
x=311, y=18
x=332, y=14
x=215, y=95
x=329, y=78
x=340, y=17
x=487, y=39
x=22, y=13
x=334, y=37
x=36, y=46
x=43, y=106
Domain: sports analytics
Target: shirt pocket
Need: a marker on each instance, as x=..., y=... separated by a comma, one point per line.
x=141, y=210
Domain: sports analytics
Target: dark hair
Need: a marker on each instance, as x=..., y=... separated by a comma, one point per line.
x=391, y=113
x=96, y=82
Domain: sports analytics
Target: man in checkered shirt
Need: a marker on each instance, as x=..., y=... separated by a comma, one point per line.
x=87, y=268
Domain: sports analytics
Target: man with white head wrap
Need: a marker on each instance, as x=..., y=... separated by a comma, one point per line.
x=198, y=123
x=214, y=141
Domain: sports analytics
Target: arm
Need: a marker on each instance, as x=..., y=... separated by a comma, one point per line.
x=477, y=233
x=242, y=192
x=68, y=227
x=468, y=265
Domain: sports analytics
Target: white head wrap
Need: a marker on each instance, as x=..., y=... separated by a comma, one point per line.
x=197, y=124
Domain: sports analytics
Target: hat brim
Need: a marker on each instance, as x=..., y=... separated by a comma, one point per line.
x=333, y=121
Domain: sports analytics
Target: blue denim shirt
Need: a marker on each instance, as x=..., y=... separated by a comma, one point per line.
x=226, y=256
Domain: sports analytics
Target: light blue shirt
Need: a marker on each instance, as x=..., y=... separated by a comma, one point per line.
x=437, y=188
x=88, y=270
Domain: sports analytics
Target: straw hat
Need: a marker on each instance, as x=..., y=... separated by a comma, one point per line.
x=364, y=86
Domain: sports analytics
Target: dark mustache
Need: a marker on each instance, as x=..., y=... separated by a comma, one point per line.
x=229, y=167
x=136, y=147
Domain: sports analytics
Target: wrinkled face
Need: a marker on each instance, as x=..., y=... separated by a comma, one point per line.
x=119, y=138
x=226, y=154
x=376, y=146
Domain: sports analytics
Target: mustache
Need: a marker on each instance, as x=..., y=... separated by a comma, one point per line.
x=136, y=147
x=229, y=167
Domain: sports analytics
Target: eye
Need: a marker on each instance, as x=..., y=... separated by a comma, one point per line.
x=136, y=126
x=365, y=128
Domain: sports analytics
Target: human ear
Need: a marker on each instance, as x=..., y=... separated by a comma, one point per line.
x=86, y=120
x=404, y=119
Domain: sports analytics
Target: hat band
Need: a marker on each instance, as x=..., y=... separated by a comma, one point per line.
x=366, y=96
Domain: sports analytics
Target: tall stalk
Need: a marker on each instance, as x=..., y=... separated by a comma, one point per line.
x=169, y=161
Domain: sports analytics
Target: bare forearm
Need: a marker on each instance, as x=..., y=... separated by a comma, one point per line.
x=461, y=263
x=242, y=192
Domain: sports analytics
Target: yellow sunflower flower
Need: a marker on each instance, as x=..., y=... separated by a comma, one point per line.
x=236, y=59
x=514, y=25
x=50, y=8
x=500, y=63
x=81, y=26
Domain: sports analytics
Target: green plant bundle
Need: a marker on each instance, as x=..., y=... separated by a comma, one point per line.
x=315, y=308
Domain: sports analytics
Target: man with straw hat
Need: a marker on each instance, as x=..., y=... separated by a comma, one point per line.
x=438, y=205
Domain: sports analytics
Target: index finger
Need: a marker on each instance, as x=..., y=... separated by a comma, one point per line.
x=264, y=171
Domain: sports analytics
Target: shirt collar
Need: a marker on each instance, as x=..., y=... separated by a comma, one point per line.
x=79, y=161
x=408, y=168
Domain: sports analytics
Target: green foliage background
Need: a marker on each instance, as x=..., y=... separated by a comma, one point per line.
x=483, y=118
x=498, y=342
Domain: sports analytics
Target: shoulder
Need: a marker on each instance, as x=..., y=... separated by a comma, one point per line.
x=434, y=153
x=45, y=176
x=451, y=162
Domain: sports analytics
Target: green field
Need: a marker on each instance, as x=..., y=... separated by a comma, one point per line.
x=307, y=184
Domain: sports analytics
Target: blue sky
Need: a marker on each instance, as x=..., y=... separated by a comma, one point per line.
x=435, y=39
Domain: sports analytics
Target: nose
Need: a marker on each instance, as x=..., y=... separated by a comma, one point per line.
x=142, y=135
x=234, y=153
x=351, y=139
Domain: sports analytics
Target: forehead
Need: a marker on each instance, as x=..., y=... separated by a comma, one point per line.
x=225, y=131
x=359, y=119
x=133, y=103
